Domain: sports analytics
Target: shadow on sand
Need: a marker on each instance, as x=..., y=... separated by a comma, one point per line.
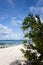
x=22, y=62
x=17, y=62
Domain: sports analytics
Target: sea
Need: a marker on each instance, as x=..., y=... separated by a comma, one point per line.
x=12, y=41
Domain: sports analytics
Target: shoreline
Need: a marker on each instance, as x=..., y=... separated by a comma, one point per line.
x=8, y=45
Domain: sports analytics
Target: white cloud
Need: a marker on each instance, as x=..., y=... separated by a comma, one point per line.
x=36, y=9
x=41, y=20
x=6, y=33
x=11, y=3
x=19, y=21
x=39, y=3
x=14, y=21
x=4, y=30
x=17, y=36
x=13, y=18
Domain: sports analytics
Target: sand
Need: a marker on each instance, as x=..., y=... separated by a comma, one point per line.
x=10, y=54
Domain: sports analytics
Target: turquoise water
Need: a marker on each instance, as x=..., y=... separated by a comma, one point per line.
x=12, y=41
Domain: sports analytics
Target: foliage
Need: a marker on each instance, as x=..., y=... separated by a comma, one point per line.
x=25, y=41
x=22, y=50
x=35, y=33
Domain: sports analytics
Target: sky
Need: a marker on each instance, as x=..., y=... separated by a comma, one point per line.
x=12, y=13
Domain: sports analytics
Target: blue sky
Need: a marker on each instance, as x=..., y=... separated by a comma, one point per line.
x=12, y=13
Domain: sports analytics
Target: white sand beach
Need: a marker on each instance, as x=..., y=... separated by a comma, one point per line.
x=10, y=54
